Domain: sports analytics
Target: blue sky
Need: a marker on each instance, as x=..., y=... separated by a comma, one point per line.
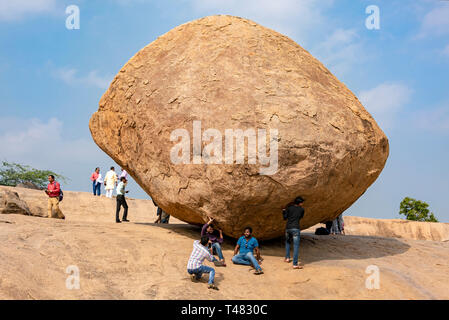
x=52, y=78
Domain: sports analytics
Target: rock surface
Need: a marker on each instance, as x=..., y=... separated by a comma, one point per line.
x=231, y=73
x=142, y=260
x=10, y=203
x=29, y=185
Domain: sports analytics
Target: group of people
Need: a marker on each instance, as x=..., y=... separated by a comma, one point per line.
x=246, y=251
x=110, y=181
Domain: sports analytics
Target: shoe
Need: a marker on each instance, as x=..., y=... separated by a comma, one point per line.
x=212, y=286
x=257, y=272
x=298, y=267
x=125, y=220
x=193, y=277
x=118, y=221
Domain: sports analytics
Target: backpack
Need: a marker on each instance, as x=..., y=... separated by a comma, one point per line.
x=322, y=231
x=61, y=194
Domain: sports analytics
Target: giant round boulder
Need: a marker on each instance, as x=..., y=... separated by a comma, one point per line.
x=225, y=118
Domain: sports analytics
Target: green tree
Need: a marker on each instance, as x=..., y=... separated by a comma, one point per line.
x=12, y=174
x=416, y=210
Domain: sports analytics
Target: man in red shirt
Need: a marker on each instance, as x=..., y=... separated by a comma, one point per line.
x=53, y=190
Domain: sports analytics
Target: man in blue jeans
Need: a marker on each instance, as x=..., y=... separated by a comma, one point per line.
x=195, y=265
x=246, y=245
x=293, y=214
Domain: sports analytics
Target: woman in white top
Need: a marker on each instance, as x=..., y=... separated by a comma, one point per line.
x=99, y=182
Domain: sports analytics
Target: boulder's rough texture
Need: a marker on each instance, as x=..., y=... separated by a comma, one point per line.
x=231, y=73
x=10, y=203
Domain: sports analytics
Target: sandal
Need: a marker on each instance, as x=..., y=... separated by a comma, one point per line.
x=257, y=272
x=213, y=287
x=298, y=267
x=287, y=260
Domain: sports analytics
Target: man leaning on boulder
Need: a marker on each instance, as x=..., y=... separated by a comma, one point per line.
x=53, y=191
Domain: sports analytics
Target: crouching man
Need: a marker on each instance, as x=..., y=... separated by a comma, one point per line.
x=195, y=265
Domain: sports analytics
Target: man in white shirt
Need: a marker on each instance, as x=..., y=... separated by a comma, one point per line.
x=110, y=181
x=121, y=201
x=195, y=266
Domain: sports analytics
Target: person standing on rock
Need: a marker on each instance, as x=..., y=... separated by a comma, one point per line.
x=96, y=185
x=293, y=214
x=123, y=173
x=110, y=181
x=121, y=201
x=53, y=191
x=215, y=239
x=99, y=183
x=338, y=225
x=195, y=265
x=246, y=245
x=162, y=216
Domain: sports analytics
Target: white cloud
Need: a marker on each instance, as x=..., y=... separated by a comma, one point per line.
x=341, y=51
x=17, y=9
x=436, y=21
x=385, y=100
x=295, y=18
x=434, y=120
x=70, y=77
x=446, y=51
x=38, y=140
x=44, y=145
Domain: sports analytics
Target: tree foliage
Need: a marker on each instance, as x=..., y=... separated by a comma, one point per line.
x=12, y=174
x=416, y=210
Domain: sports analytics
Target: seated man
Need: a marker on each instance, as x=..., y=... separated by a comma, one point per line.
x=247, y=244
x=195, y=265
x=215, y=239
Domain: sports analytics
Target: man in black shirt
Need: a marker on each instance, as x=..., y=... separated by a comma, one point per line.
x=293, y=214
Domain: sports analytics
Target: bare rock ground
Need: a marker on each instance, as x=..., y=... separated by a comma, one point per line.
x=142, y=260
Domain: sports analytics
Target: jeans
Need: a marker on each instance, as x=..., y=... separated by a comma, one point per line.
x=217, y=248
x=246, y=259
x=203, y=269
x=96, y=187
x=295, y=234
x=121, y=202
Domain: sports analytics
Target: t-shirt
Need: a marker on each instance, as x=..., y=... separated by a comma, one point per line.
x=247, y=246
x=213, y=237
x=293, y=214
x=121, y=188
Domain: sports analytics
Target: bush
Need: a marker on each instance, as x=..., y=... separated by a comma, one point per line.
x=416, y=210
x=11, y=174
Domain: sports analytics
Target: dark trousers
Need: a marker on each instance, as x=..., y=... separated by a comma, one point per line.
x=121, y=202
